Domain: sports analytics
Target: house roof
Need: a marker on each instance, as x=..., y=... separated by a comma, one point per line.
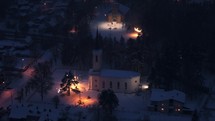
x=116, y=73
x=122, y=8
x=161, y=95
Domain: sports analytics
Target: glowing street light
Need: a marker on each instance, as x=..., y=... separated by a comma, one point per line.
x=145, y=86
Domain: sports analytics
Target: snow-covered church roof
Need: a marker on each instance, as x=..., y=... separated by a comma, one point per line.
x=116, y=73
x=161, y=95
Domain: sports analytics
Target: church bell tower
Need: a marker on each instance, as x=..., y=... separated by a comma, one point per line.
x=97, y=55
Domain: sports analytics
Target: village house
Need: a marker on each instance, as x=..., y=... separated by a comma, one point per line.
x=117, y=13
x=167, y=101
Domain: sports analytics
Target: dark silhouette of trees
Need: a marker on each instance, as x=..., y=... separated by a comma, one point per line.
x=4, y=5
x=56, y=101
x=41, y=80
x=195, y=116
x=108, y=100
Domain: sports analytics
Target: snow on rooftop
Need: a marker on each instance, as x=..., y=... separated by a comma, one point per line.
x=161, y=95
x=11, y=43
x=118, y=73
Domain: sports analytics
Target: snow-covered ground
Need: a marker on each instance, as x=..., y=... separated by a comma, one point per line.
x=108, y=29
x=131, y=107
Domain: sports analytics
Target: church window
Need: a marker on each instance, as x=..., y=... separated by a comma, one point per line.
x=96, y=58
x=110, y=84
x=126, y=85
x=118, y=85
x=103, y=84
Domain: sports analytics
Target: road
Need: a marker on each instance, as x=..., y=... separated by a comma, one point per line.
x=7, y=97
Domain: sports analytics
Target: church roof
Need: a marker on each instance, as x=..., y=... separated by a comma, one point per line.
x=118, y=73
x=97, y=46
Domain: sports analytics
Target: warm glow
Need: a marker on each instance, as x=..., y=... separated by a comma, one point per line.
x=86, y=102
x=145, y=86
x=28, y=73
x=80, y=99
x=72, y=30
x=137, y=30
x=133, y=35
x=75, y=77
x=110, y=26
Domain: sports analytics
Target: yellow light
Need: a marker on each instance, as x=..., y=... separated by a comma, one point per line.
x=137, y=30
x=133, y=35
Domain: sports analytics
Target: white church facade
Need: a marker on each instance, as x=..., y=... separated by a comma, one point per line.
x=119, y=81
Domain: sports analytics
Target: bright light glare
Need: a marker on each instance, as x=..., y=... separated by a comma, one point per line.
x=133, y=35
x=110, y=26
x=145, y=86
x=136, y=29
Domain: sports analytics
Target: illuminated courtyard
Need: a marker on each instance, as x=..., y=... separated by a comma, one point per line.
x=110, y=29
x=84, y=99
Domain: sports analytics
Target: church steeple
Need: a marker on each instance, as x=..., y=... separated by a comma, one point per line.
x=97, y=55
x=97, y=46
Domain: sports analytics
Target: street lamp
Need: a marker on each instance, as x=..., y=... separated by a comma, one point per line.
x=145, y=86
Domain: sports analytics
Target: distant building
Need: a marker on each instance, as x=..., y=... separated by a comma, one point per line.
x=117, y=13
x=167, y=101
x=118, y=80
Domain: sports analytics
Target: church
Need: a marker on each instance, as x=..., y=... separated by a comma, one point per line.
x=119, y=81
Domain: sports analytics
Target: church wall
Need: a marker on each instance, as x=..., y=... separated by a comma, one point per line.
x=134, y=83
x=119, y=85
